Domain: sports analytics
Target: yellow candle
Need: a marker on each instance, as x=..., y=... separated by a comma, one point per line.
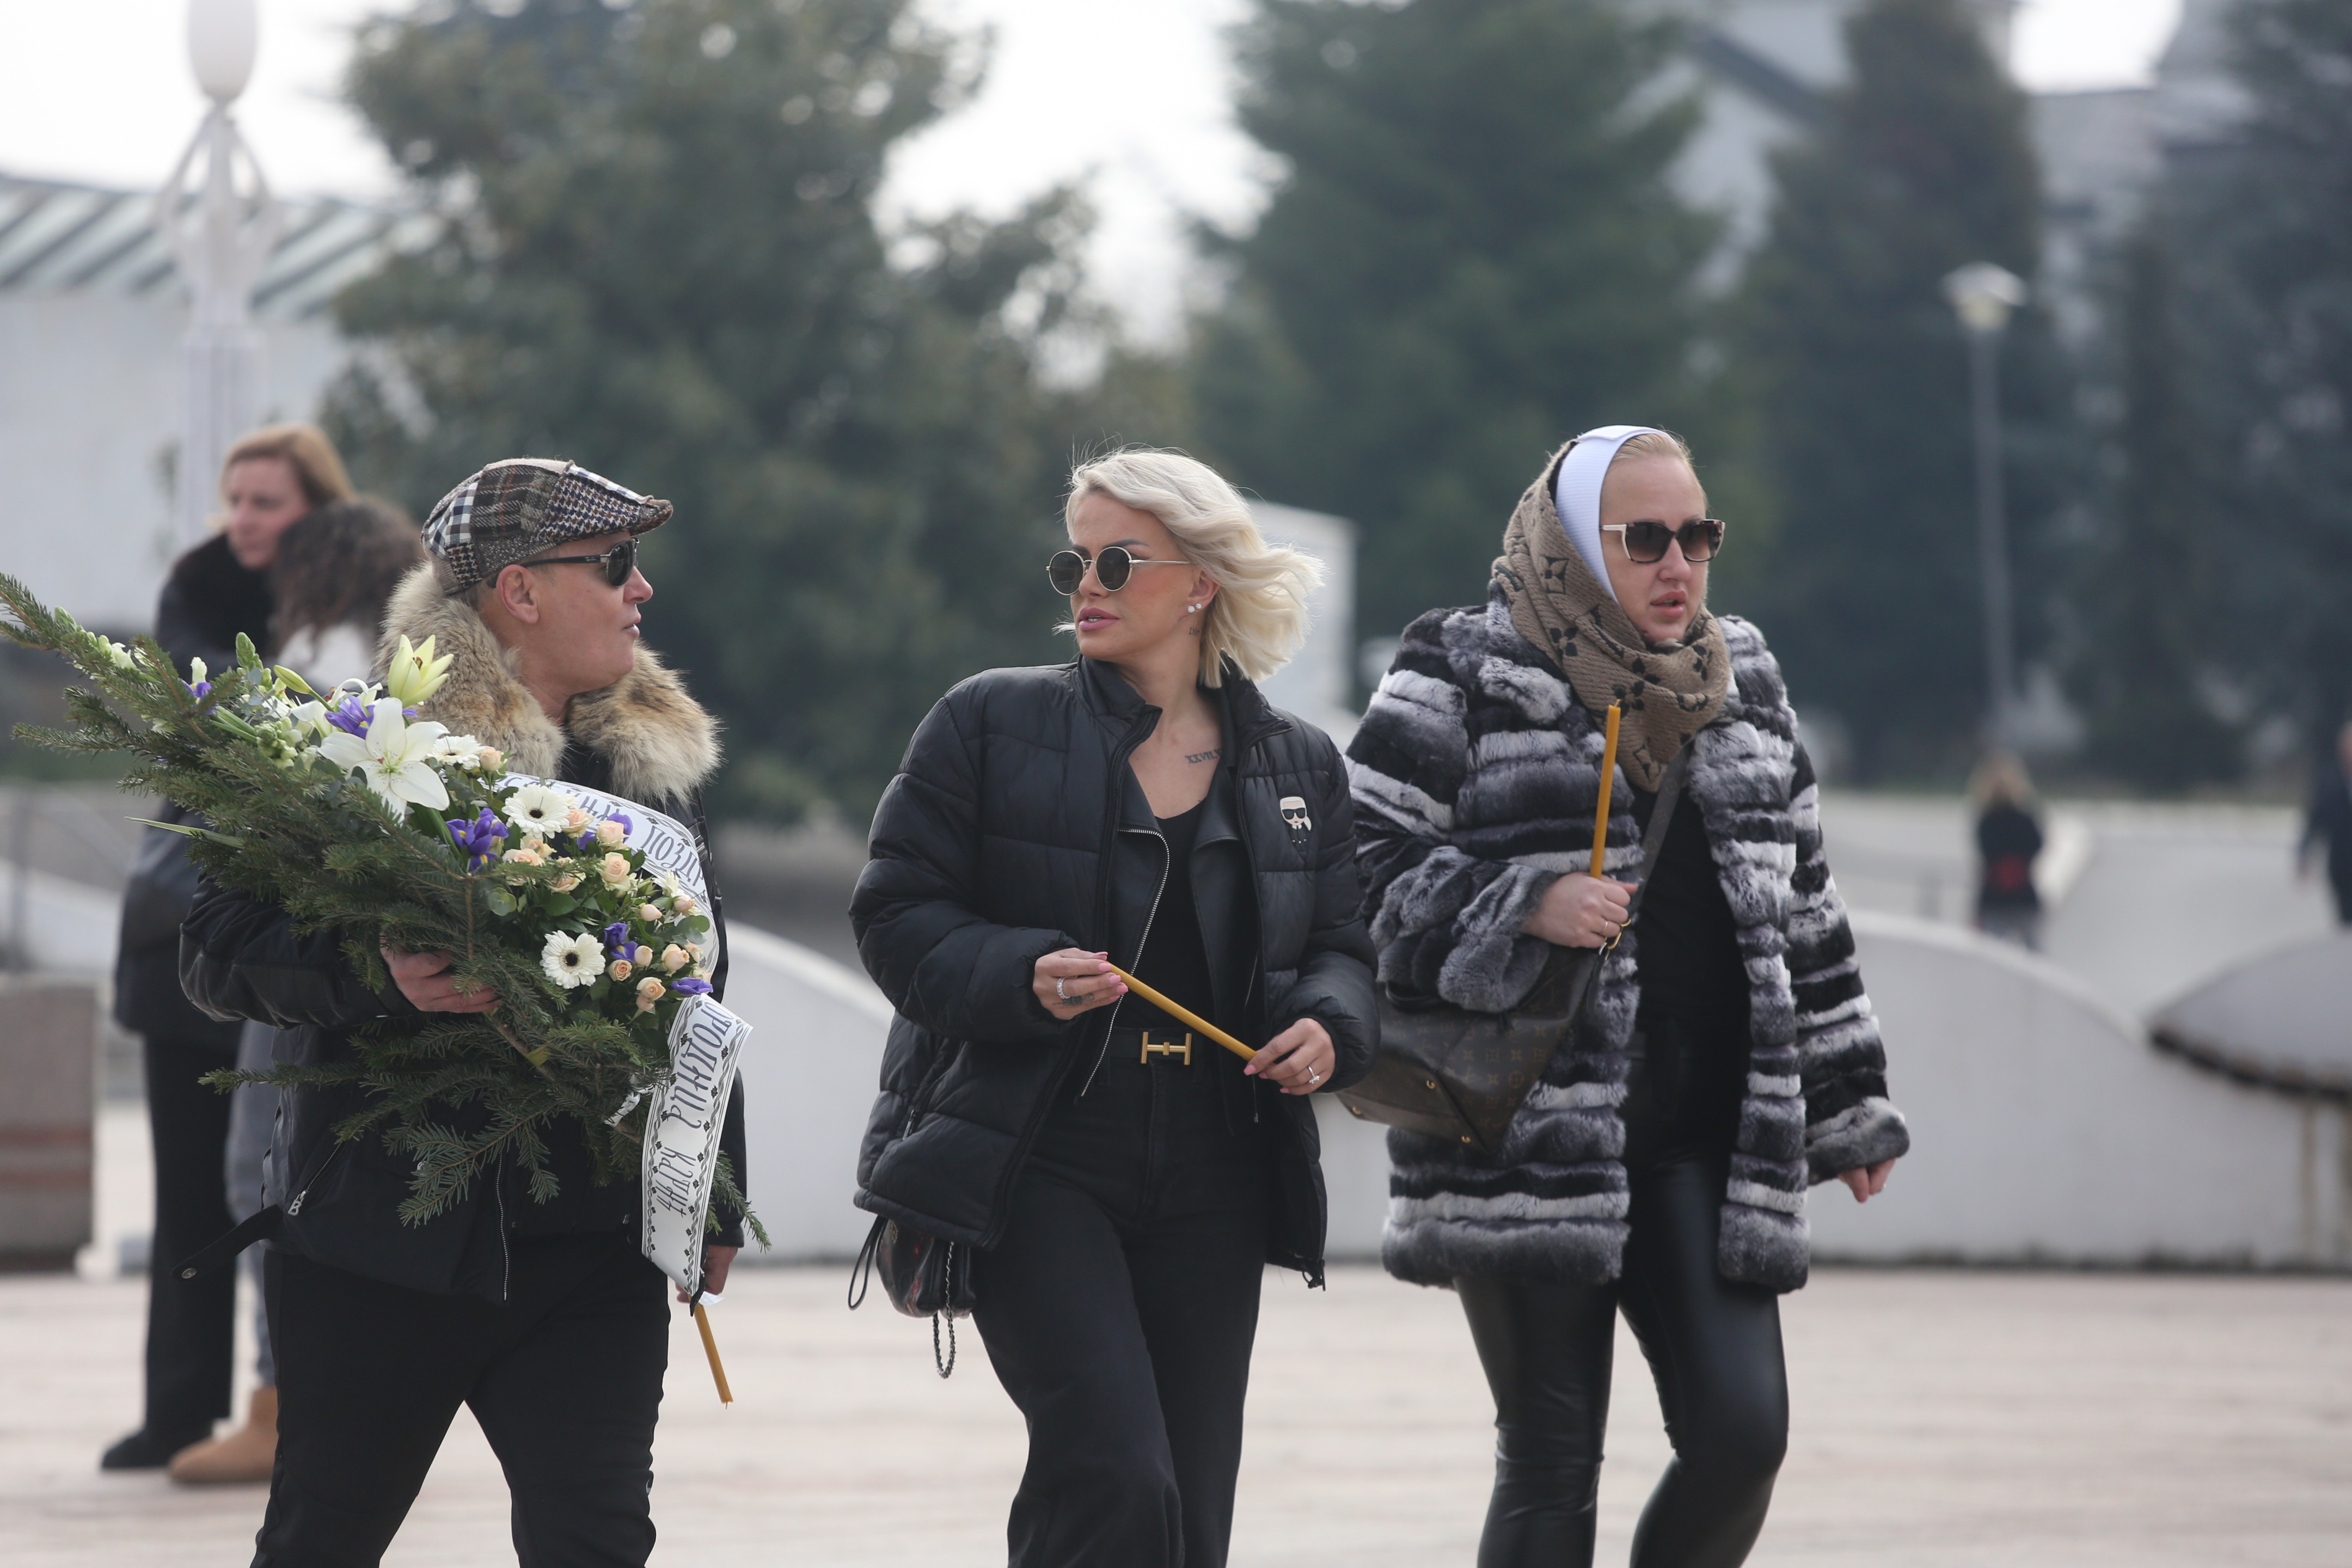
x=1608, y=776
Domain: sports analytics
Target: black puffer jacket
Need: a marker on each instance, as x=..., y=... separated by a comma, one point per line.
x=207, y=600
x=1016, y=829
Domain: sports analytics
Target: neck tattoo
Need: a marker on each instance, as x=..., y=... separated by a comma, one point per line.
x=1209, y=756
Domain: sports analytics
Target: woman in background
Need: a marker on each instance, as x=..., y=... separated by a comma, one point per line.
x=2009, y=841
x=271, y=480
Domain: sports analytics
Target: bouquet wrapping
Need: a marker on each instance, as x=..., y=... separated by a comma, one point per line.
x=585, y=912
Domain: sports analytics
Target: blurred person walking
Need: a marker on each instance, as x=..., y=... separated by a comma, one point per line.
x=1728, y=1057
x=2009, y=841
x=270, y=481
x=335, y=571
x=544, y=1319
x=2327, y=826
x=1124, y=1180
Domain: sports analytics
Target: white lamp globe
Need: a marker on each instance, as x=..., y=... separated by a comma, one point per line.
x=222, y=37
x=1984, y=294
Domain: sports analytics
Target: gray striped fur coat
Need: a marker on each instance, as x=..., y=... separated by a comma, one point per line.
x=1476, y=774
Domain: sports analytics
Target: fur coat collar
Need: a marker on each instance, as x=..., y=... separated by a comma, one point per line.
x=659, y=742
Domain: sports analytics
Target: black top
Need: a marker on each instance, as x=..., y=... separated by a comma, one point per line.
x=1687, y=947
x=2007, y=840
x=1174, y=960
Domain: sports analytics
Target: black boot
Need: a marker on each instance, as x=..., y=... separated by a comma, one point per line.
x=147, y=1449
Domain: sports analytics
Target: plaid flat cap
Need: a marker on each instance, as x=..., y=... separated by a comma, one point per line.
x=521, y=506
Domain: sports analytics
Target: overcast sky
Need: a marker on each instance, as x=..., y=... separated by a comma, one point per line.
x=1128, y=94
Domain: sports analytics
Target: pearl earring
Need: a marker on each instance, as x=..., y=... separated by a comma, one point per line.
x=1192, y=609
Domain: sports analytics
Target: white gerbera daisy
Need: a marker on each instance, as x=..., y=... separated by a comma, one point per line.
x=571, y=961
x=537, y=808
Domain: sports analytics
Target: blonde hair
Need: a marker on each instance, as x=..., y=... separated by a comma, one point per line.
x=1258, y=618
x=302, y=448
x=1660, y=443
x=2001, y=780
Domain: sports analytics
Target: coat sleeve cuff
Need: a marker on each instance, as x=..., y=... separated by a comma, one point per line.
x=1495, y=963
x=1858, y=1137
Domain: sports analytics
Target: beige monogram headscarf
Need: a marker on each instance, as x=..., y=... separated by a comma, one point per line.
x=1668, y=693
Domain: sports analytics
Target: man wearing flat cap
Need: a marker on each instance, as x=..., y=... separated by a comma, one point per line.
x=542, y=1318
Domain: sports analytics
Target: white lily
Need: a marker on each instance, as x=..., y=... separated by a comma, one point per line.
x=415, y=674
x=394, y=758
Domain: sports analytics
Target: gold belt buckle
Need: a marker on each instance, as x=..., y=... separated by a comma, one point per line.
x=1181, y=1047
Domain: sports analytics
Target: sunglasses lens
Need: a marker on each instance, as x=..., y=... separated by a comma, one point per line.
x=1066, y=571
x=620, y=563
x=1646, y=542
x=1700, y=540
x=1111, y=568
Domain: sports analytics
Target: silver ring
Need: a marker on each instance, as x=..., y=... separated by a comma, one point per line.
x=1059, y=992
x=1314, y=1075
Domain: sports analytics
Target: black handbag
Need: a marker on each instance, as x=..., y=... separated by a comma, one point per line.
x=1459, y=1075
x=922, y=1277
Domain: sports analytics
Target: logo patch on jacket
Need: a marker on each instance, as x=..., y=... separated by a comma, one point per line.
x=1295, y=817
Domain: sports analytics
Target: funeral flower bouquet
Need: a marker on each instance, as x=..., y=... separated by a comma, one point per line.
x=582, y=913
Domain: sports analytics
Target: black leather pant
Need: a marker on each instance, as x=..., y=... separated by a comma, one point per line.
x=1712, y=1346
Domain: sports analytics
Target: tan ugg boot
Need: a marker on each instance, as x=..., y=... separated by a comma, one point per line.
x=246, y=1455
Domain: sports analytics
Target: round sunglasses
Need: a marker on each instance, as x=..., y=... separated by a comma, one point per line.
x=1067, y=569
x=619, y=562
x=1645, y=542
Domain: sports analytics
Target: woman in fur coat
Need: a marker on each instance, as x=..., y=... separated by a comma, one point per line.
x=1730, y=1058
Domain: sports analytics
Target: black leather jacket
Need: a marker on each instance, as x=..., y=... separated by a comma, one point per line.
x=1015, y=829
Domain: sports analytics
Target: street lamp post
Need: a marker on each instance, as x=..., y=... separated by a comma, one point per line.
x=221, y=255
x=1983, y=295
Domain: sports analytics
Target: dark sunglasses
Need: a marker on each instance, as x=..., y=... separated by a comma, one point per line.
x=1067, y=569
x=619, y=562
x=1645, y=542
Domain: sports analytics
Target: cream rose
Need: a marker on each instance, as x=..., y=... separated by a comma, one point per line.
x=649, y=991
x=674, y=958
x=620, y=969
x=615, y=869
x=608, y=832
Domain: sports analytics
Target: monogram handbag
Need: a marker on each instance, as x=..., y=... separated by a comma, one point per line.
x=1459, y=1074
x=922, y=1277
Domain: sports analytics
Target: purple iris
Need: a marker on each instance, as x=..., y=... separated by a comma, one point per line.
x=616, y=939
x=199, y=689
x=690, y=986
x=353, y=717
x=479, y=840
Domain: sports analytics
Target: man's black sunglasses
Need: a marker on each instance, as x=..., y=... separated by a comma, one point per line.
x=619, y=562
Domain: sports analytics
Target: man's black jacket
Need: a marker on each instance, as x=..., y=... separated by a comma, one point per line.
x=1015, y=829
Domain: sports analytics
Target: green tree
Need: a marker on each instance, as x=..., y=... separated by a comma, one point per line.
x=1471, y=253
x=2266, y=265
x=659, y=256
x=2148, y=600
x=1873, y=590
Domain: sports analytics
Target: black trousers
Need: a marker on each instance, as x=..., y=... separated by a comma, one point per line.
x=566, y=1377
x=191, y=1323
x=1119, y=1309
x=1712, y=1346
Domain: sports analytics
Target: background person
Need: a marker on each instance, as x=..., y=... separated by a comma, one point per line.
x=335, y=571
x=271, y=479
x=1126, y=1181
x=2009, y=841
x=2327, y=826
x=1729, y=1058
x=543, y=1319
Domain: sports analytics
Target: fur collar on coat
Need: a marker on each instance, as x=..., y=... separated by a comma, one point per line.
x=659, y=743
x=1476, y=773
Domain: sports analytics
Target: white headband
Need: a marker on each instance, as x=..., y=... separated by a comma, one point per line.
x=1578, y=493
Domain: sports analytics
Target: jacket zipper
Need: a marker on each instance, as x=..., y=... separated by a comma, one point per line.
x=1167, y=864
x=506, y=1251
x=294, y=1204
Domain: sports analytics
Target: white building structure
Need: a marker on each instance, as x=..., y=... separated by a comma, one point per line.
x=92, y=317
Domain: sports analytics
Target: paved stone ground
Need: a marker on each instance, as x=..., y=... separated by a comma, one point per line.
x=2018, y=1420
